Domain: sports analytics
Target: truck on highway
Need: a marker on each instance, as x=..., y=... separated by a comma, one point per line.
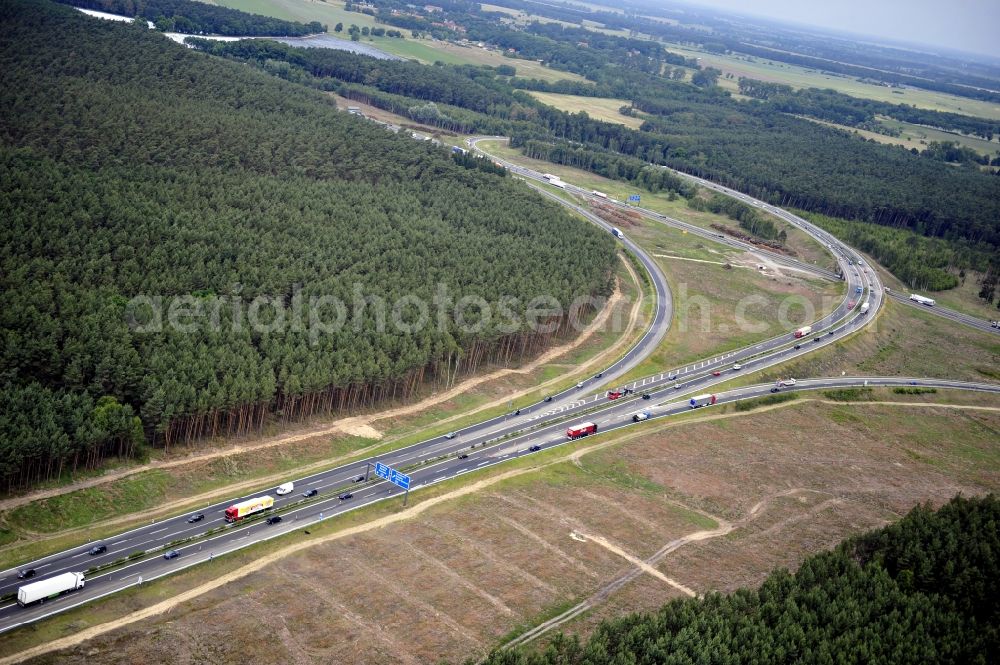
x=803, y=331
x=616, y=232
x=641, y=415
x=922, y=300
x=238, y=511
x=702, y=400
x=600, y=195
x=615, y=394
x=864, y=308
x=557, y=183
x=50, y=588
x=583, y=429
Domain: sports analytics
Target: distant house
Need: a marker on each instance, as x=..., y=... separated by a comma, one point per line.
x=432, y=8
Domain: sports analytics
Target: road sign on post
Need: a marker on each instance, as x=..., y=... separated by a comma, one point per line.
x=398, y=479
x=634, y=198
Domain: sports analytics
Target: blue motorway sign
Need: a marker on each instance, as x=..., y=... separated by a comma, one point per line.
x=634, y=197
x=393, y=476
x=400, y=479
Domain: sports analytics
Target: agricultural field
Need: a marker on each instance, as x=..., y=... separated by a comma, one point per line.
x=427, y=51
x=599, y=108
x=710, y=505
x=800, y=77
x=915, y=136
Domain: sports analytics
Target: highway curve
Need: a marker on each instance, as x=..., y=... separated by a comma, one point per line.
x=481, y=445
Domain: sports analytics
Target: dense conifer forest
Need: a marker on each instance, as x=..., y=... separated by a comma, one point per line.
x=922, y=590
x=133, y=166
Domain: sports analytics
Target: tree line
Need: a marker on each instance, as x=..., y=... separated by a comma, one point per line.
x=199, y=18
x=921, y=590
x=221, y=184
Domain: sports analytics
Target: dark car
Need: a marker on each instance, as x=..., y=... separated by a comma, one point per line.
x=464, y=456
x=817, y=339
x=345, y=496
x=830, y=332
x=359, y=479
x=274, y=519
x=172, y=554
x=196, y=518
x=798, y=346
x=672, y=377
x=26, y=574
x=548, y=399
x=312, y=492
x=774, y=390
x=535, y=448
x=647, y=396
x=599, y=375
x=97, y=549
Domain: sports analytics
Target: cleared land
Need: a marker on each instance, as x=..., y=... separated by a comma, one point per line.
x=478, y=569
x=718, y=308
x=599, y=108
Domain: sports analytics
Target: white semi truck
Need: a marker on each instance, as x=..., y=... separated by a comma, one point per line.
x=50, y=588
x=922, y=300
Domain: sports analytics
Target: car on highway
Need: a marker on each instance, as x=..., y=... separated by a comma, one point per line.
x=464, y=456
x=798, y=346
x=97, y=549
x=535, y=448
x=677, y=386
x=737, y=367
x=716, y=373
x=345, y=496
x=817, y=339
x=647, y=396
x=309, y=493
x=450, y=435
x=26, y=574
x=196, y=518
x=775, y=389
x=786, y=382
x=580, y=385
x=172, y=554
x=829, y=332
x=274, y=519
x=284, y=488
x=359, y=479
x=548, y=398
x=671, y=377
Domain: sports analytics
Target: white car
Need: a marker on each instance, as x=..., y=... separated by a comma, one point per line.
x=737, y=367
x=787, y=382
x=287, y=488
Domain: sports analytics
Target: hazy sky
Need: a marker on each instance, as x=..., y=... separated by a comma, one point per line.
x=968, y=25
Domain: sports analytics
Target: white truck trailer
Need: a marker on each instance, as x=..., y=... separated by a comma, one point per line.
x=50, y=588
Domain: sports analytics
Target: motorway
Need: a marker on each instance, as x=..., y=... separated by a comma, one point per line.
x=950, y=314
x=481, y=445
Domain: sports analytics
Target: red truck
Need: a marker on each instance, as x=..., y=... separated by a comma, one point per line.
x=615, y=394
x=583, y=429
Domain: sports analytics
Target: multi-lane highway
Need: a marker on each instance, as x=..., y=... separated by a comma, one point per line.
x=478, y=446
x=950, y=314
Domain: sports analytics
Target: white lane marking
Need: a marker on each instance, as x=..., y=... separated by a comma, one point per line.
x=482, y=464
x=158, y=531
